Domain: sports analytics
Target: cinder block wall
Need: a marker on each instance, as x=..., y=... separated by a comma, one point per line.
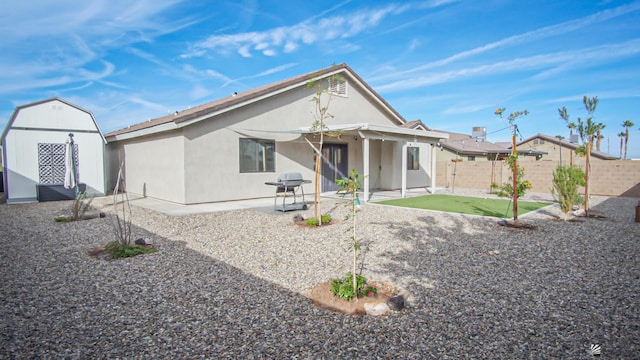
x=610, y=178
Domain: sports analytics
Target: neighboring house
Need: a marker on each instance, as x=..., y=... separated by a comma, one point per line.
x=33, y=154
x=556, y=149
x=227, y=149
x=463, y=147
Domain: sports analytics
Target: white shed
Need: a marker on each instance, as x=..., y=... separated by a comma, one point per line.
x=34, y=152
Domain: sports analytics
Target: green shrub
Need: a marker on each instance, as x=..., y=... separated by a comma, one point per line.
x=325, y=218
x=566, y=180
x=63, y=219
x=343, y=288
x=119, y=250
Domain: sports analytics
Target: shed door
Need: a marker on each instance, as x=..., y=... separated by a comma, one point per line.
x=334, y=165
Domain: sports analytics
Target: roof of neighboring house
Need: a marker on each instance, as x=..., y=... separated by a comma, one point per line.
x=567, y=144
x=201, y=112
x=415, y=124
x=464, y=144
x=36, y=103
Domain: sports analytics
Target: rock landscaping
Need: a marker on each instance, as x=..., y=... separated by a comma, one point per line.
x=235, y=285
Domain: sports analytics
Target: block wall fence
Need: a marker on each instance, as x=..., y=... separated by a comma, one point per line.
x=608, y=178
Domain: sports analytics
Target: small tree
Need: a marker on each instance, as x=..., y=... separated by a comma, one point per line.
x=517, y=172
x=349, y=187
x=322, y=99
x=566, y=180
x=506, y=189
x=587, y=131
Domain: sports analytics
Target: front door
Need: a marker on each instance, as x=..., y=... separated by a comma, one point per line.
x=334, y=165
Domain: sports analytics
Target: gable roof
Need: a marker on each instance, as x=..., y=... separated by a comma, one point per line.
x=464, y=144
x=415, y=124
x=567, y=144
x=40, y=102
x=189, y=116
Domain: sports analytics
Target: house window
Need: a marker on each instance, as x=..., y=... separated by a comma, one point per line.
x=413, y=158
x=337, y=86
x=257, y=155
x=471, y=158
x=51, y=166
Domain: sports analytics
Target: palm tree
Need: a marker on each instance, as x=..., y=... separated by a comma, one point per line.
x=599, y=137
x=564, y=115
x=587, y=132
x=626, y=125
x=621, y=135
x=560, y=138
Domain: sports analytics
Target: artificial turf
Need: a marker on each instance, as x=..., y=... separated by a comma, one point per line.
x=500, y=208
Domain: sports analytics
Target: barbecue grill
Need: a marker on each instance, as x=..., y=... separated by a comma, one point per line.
x=287, y=185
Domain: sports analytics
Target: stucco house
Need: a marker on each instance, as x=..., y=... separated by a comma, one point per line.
x=556, y=149
x=33, y=155
x=459, y=147
x=229, y=148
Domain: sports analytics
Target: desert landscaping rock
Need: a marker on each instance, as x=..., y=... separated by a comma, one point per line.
x=377, y=309
x=395, y=303
x=233, y=285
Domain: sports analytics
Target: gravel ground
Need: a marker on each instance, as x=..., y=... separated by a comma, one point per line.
x=232, y=284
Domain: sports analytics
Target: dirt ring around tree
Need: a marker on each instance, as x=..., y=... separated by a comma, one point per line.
x=322, y=297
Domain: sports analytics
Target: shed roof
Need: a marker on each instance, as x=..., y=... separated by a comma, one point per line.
x=40, y=102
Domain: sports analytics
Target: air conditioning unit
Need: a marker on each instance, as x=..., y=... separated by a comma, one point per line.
x=479, y=133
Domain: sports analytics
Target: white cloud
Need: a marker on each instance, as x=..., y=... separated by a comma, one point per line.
x=547, y=62
x=290, y=38
x=199, y=92
x=542, y=33
x=244, y=51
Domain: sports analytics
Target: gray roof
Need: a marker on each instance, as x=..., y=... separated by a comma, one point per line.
x=567, y=144
x=244, y=98
x=464, y=144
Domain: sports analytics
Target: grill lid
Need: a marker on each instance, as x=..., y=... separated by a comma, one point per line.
x=290, y=176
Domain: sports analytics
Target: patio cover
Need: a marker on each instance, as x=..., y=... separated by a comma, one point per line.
x=367, y=132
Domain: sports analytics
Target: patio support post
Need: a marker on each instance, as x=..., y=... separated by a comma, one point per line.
x=365, y=163
x=403, y=192
x=433, y=168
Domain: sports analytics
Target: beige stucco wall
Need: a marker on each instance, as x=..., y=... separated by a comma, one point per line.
x=154, y=166
x=212, y=165
x=610, y=178
x=200, y=162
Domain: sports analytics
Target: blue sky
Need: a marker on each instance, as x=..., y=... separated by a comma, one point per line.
x=449, y=63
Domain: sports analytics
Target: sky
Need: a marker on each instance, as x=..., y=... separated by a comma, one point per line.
x=449, y=63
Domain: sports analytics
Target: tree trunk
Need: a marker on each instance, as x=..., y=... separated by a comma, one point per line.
x=586, y=181
x=515, y=178
x=626, y=143
x=316, y=207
